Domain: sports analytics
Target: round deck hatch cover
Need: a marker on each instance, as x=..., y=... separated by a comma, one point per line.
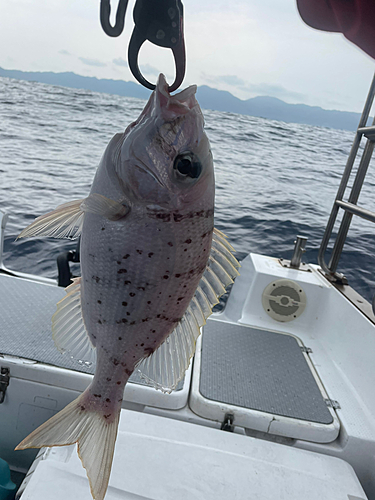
x=284, y=300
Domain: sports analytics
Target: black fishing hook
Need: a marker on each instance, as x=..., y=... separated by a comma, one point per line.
x=160, y=22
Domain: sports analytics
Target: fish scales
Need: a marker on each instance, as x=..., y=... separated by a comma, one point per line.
x=138, y=294
x=148, y=278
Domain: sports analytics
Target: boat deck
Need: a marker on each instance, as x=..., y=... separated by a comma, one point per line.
x=250, y=371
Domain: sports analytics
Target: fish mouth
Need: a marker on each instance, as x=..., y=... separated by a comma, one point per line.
x=172, y=106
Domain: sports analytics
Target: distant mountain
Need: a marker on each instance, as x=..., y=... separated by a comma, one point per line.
x=275, y=109
x=118, y=87
x=209, y=98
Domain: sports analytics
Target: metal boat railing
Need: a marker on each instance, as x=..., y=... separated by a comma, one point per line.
x=350, y=206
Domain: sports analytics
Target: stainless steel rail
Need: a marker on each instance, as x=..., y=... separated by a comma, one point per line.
x=350, y=207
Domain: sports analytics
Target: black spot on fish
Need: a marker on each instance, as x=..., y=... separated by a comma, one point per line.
x=185, y=250
x=165, y=217
x=141, y=288
x=132, y=294
x=177, y=275
x=108, y=400
x=180, y=298
x=127, y=282
x=165, y=277
x=108, y=379
x=97, y=395
x=144, y=320
x=177, y=217
x=118, y=261
x=119, y=382
x=116, y=362
x=188, y=241
x=107, y=416
x=124, y=320
x=150, y=254
x=124, y=304
x=126, y=256
x=99, y=301
x=83, y=408
x=96, y=278
x=140, y=252
x=120, y=338
x=170, y=243
x=149, y=302
x=128, y=313
x=142, y=345
x=132, y=323
x=128, y=372
x=122, y=271
x=99, y=321
x=148, y=351
x=103, y=228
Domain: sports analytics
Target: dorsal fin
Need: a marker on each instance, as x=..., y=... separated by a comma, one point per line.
x=167, y=365
x=68, y=328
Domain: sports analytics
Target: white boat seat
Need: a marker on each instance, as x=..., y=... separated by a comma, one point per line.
x=158, y=458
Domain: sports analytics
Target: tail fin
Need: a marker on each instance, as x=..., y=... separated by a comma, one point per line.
x=92, y=432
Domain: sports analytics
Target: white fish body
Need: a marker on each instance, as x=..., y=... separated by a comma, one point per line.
x=152, y=268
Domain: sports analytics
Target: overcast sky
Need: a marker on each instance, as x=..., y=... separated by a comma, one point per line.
x=250, y=48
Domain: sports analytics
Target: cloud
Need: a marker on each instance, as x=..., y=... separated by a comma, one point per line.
x=254, y=88
x=232, y=80
x=120, y=62
x=147, y=69
x=64, y=52
x=91, y=62
x=272, y=90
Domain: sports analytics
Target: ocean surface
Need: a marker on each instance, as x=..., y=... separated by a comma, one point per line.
x=274, y=180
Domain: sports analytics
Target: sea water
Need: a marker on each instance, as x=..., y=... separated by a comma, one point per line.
x=274, y=180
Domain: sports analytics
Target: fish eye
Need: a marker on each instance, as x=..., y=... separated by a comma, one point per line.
x=187, y=165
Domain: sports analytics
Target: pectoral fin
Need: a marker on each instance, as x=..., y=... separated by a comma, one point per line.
x=66, y=221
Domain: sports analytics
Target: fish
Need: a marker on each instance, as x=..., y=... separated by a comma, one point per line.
x=152, y=268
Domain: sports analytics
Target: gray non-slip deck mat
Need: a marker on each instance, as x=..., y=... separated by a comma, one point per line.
x=26, y=310
x=259, y=370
